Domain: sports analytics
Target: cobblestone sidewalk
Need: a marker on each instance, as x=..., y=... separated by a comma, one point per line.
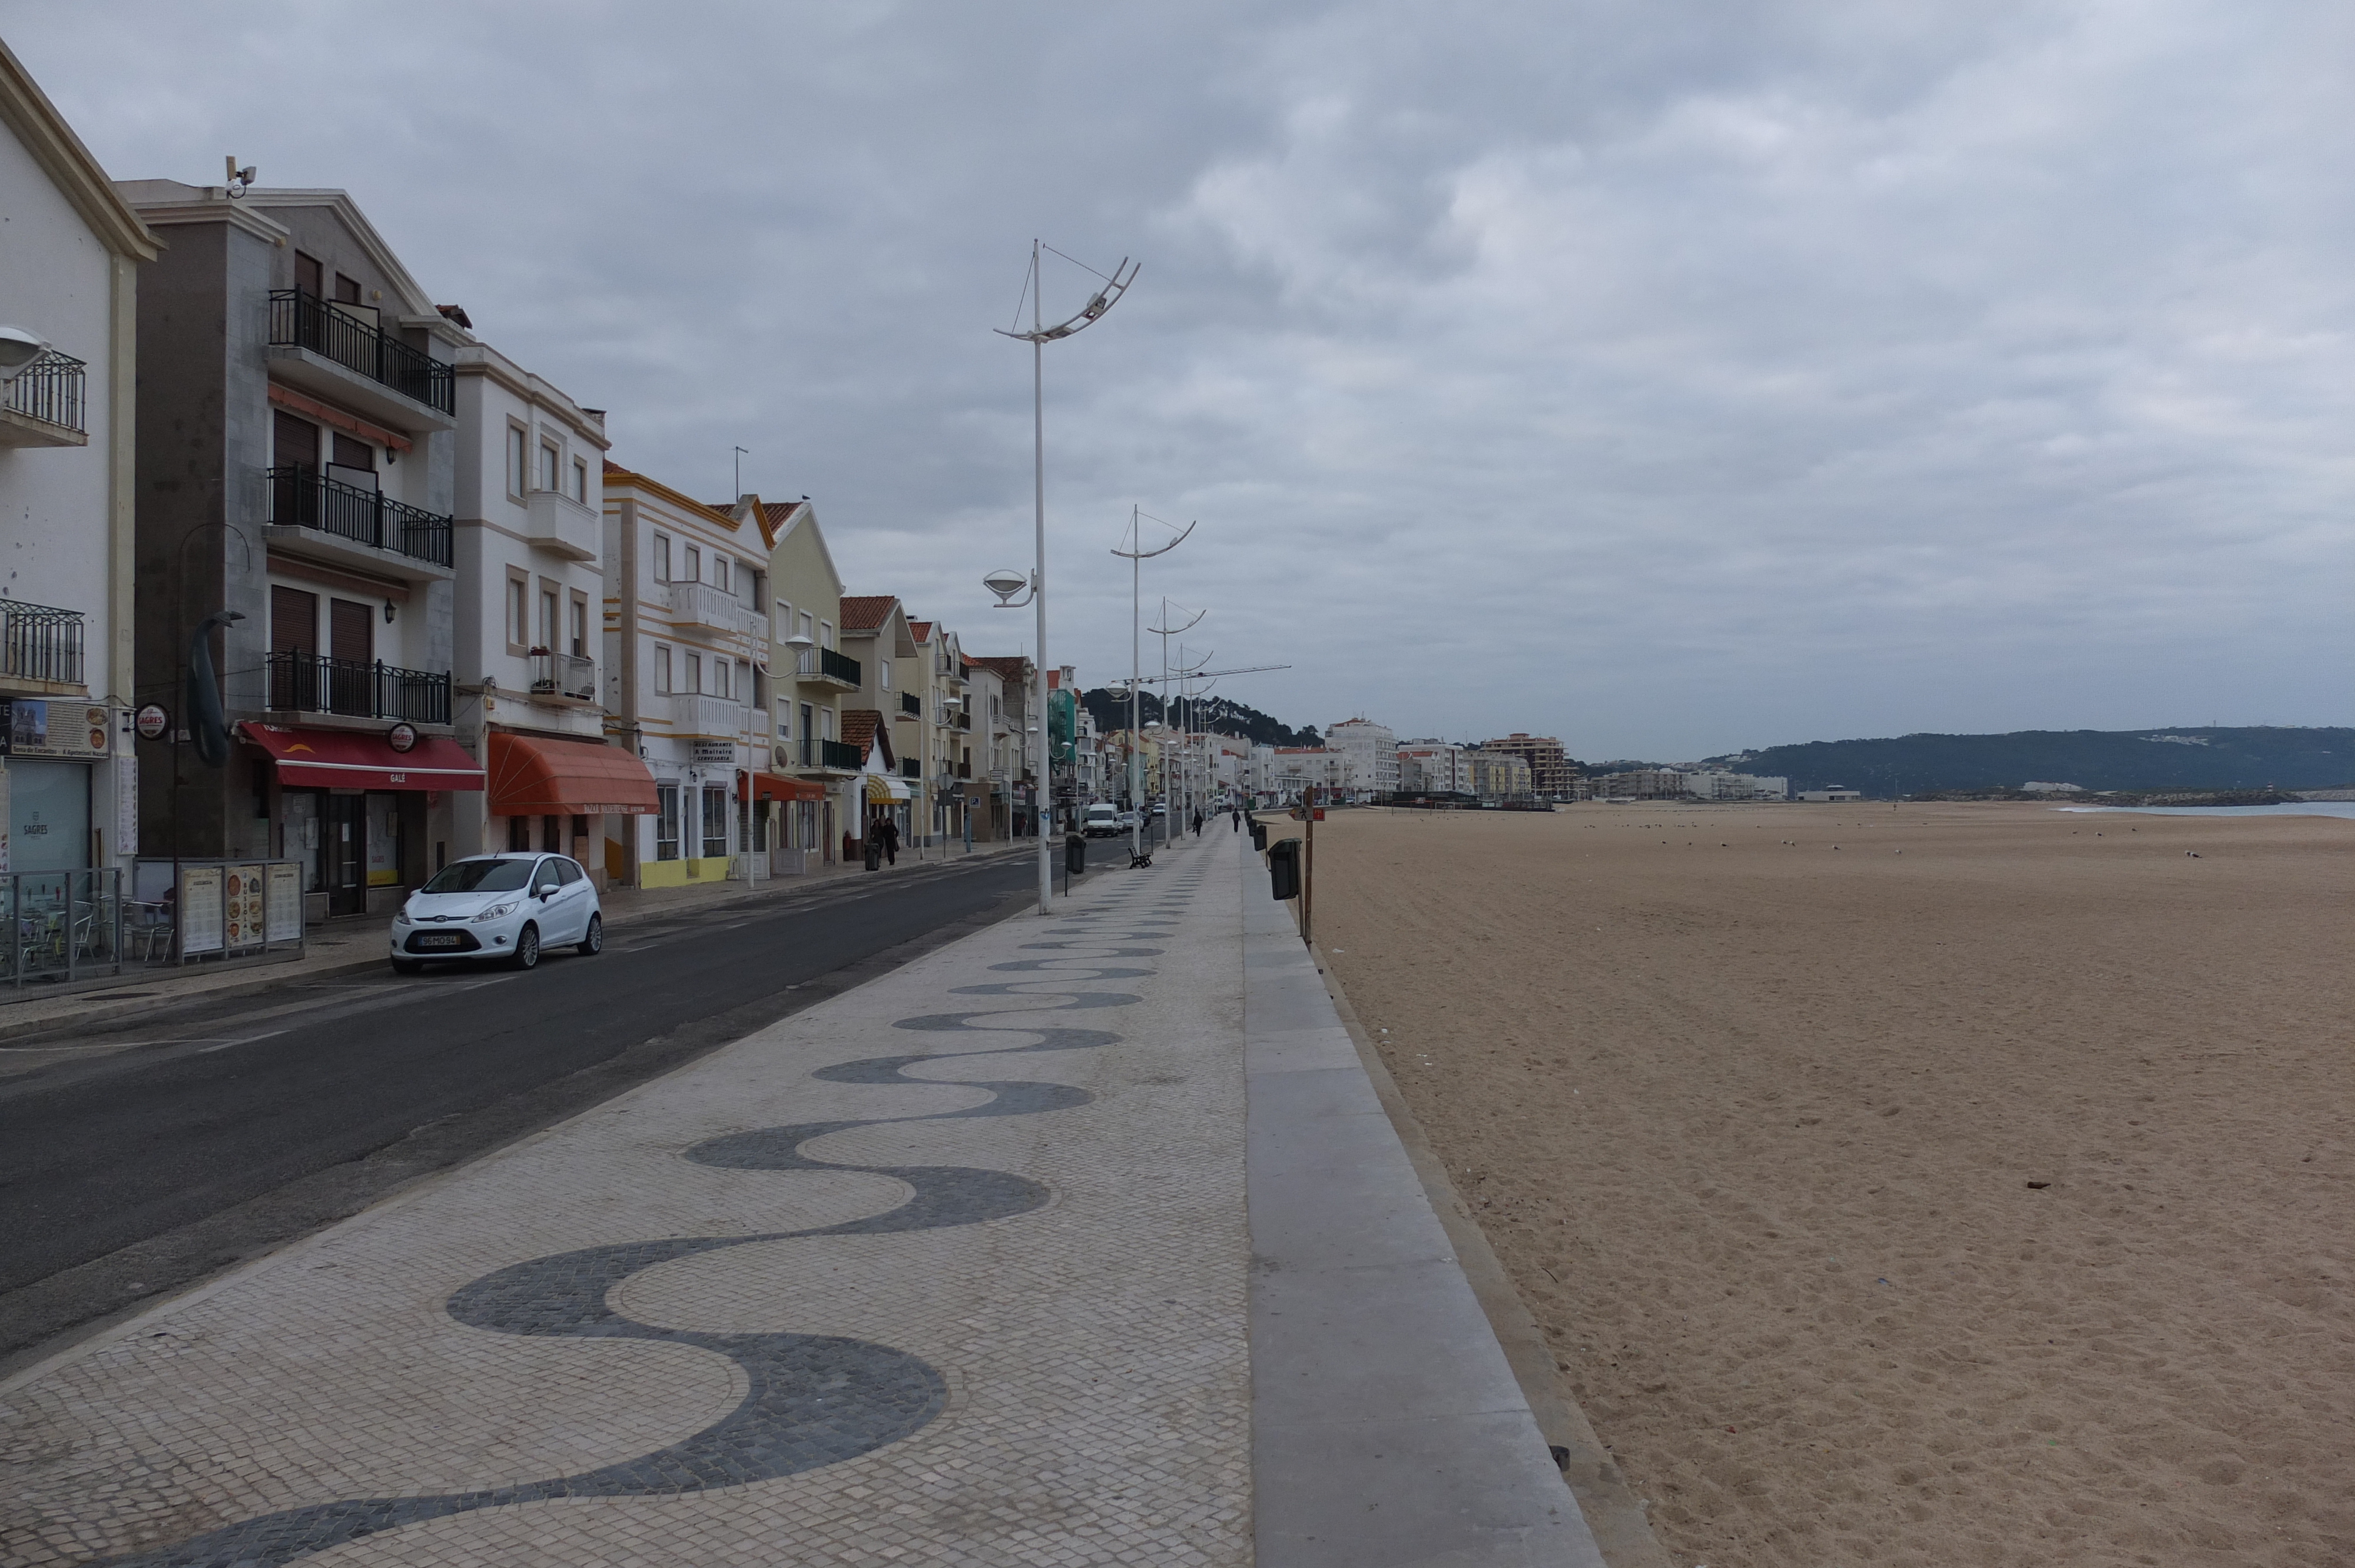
x=949, y=1269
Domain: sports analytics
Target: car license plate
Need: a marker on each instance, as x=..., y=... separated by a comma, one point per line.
x=437, y=940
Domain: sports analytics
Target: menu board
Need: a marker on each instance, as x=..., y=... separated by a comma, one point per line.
x=200, y=910
x=242, y=907
x=35, y=727
x=284, y=903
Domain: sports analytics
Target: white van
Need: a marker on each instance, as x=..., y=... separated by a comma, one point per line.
x=1101, y=822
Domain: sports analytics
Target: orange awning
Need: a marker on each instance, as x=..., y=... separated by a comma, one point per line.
x=531, y=778
x=777, y=786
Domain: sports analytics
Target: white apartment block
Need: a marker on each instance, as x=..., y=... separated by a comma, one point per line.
x=530, y=621
x=1434, y=767
x=681, y=639
x=70, y=256
x=1372, y=748
x=1716, y=784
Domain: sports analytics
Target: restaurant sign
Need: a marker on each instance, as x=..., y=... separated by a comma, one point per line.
x=35, y=727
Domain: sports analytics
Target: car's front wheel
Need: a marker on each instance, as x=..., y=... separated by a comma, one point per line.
x=527, y=951
x=592, y=941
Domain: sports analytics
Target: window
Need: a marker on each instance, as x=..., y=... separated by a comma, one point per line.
x=665, y=822
x=694, y=673
x=784, y=622
x=719, y=573
x=715, y=823
x=567, y=872
x=578, y=643
x=806, y=721
x=743, y=680
x=348, y=289
x=548, y=623
x=662, y=557
x=519, y=475
x=307, y=275
x=549, y=461
x=883, y=673
x=580, y=481
x=518, y=611
x=806, y=625
x=694, y=565
x=293, y=443
x=719, y=678
x=826, y=634
x=662, y=669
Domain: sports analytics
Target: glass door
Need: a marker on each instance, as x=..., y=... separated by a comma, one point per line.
x=343, y=853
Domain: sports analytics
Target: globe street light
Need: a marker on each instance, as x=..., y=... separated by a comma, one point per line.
x=1039, y=337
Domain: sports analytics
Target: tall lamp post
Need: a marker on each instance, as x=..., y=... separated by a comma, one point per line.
x=1004, y=583
x=1135, y=559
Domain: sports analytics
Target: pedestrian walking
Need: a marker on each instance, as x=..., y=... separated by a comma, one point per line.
x=1237, y=812
x=1197, y=824
x=891, y=830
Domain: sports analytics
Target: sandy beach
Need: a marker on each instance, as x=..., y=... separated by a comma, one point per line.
x=1942, y=1184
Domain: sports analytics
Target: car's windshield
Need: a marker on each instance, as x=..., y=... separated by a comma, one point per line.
x=481, y=876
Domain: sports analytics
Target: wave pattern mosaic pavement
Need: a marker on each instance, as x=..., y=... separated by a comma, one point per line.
x=809, y=1400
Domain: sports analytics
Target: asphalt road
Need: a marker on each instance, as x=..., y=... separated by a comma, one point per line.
x=163, y=1152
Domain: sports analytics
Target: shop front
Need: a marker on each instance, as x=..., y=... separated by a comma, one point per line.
x=785, y=815
x=354, y=809
x=53, y=786
x=555, y=795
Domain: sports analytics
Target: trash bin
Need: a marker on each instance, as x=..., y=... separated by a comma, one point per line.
x=1284, y=869
x=1259, y=836
x=874, y=853
x=1075, y=854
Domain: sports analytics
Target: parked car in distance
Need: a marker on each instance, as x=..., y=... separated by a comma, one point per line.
x=1129, y=820
x=506, y=907
x=1102, y=820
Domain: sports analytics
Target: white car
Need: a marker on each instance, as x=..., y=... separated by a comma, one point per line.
x=508, y=908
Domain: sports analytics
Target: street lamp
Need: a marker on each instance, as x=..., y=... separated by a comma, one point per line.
x=1039, y=337
x=1136, y=516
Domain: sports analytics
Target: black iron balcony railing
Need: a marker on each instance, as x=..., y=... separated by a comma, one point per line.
x=308, y=683
x=912, y=768
x=564, y=674
x=827, y=662
x=39, y=642
x=965, y=721
x=912, y=704
x=305, y=498
x=300, y=320
x=840, y=754
x=964, y=770
x=50, y=390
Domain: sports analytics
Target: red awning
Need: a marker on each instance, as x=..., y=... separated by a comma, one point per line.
x=566, y=779
x=777, y=786
x=353, y=759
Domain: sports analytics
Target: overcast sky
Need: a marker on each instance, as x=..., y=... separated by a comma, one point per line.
x=1673, y=375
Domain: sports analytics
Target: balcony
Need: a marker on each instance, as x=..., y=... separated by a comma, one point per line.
x=912, y=768
x=555, y=523
x=700, y=604
x=308, y=683
x=964, y=769
x=964, y=719
x=714, y=718
x=43, y=404
x=912, y=706
x=41, y=646
x=307, y=498
x=832, y=755
x=339, y=351
x=825, y=667
x=567, y=675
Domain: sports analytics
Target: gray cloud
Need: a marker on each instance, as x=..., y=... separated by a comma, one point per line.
x=1671, y=377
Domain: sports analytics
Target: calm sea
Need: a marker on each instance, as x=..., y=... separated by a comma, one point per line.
x=2303, y=809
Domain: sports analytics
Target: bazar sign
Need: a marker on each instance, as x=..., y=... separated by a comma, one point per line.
x=35, y=726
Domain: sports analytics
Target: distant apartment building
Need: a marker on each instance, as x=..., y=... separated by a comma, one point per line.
x=1005, y=684
x=1641, y=784
x=1297, y=768
x=297, y=417
x=1551, y=773
x=812, y=785
x=1372, y=750
x=1497, y=774
x=1717, y=784
x=876, y=632
x=1433, y=768
x=1831, y=792
x=71, y=250
x=940, y=746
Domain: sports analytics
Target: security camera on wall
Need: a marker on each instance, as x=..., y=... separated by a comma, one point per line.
x=18, y=348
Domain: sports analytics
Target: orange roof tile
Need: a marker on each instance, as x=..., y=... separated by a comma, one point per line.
x=865, y=612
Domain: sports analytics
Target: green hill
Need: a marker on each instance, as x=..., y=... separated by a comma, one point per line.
x=1219, y=714
x=2196, y=758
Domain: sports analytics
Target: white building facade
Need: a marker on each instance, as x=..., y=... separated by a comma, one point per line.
x=69, y=254
x=1372, y=750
